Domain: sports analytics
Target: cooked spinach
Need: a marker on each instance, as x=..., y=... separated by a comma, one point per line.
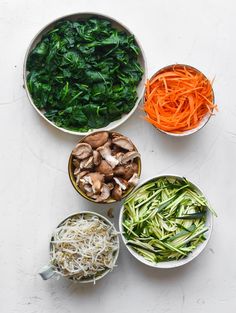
x=84, y=74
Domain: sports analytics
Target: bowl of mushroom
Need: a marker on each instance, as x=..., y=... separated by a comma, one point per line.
x=104, y=167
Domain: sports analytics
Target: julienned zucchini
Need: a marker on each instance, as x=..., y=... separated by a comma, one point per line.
x=164, y=219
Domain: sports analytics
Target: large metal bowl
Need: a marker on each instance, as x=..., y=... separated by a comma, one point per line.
x=84, y=16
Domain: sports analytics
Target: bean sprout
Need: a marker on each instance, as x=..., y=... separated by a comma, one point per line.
x=83, y=247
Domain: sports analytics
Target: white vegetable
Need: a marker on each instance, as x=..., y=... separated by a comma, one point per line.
x=83, y=246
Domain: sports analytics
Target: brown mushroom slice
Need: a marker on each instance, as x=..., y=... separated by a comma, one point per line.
x=80, y=175
x=105, y=152
x=97, y=140
x=110, y=213
x=115, y=149
x=88, y=188
x=76, y=162
x=123, y=142
x=119, y=156
x=114, y=135
x=117, y=193
x=96, y=157
x=82, y=151
x=104, y=168
x=104, y=195
x=77, y=171
x=110, y=185
x=134, y=166
x=121, y=182
x=95, y=180
x=87, y=163
x=133, y=181
x=126, y=171
x=130, y=156
x=85, y=188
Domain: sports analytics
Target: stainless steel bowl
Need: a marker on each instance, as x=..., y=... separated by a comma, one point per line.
x=48, y=272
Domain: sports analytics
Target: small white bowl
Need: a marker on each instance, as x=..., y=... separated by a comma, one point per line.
x=115, y=24
x=175, y=263
x=47, y=271
x=205, y=119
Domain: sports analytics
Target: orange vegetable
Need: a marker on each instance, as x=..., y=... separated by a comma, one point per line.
x=177, y=98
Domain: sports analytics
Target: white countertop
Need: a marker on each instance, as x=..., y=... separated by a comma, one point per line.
x=36, y=193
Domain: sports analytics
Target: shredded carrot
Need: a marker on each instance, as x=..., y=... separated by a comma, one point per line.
x=178, y=98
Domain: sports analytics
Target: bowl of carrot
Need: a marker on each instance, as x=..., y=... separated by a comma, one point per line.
x=179, y=100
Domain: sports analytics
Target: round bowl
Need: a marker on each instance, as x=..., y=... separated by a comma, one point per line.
x=206, y=117
x=84, y=16
x=48, y=272
x=73, y=180
x=174, y=263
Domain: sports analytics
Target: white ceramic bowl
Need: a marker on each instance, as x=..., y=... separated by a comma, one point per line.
x=83, y=16
x=175, y=263
x=205, y=119
x=47, y=271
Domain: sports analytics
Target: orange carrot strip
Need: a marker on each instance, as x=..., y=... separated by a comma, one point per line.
x=178, y=98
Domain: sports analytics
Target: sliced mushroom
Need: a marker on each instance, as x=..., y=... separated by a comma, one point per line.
x=77, y=171
x=96, y=157
x=121, y=182
x=115, y=149
x=117, y=193
x=80, y=175
x=104, y=168
x=87, y=163
x=86, y=188
x=104, y=195
x=130, y=156
x=97, y=140
x=110, y=185
x=114, y=135
x=82, y=151
x=98, y=180
x=95, y=180
x=105, y=152
x=123, y=142
x=110, y=213
x=134, y=166
x=119, y=156
x=126, y=171
x=76, y=162
x=133, y=181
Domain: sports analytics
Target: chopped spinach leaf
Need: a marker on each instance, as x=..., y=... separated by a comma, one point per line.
x=84, y=74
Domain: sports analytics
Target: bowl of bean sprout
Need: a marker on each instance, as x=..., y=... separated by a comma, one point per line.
x=84, y=247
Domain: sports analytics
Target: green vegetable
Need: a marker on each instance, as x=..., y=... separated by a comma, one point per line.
x=165, y=219
x=84, y=74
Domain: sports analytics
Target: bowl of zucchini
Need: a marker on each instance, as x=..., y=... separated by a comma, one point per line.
x=166, y=222
x=85, y=72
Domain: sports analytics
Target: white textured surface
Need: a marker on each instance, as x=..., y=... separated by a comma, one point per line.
x=36, y=193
